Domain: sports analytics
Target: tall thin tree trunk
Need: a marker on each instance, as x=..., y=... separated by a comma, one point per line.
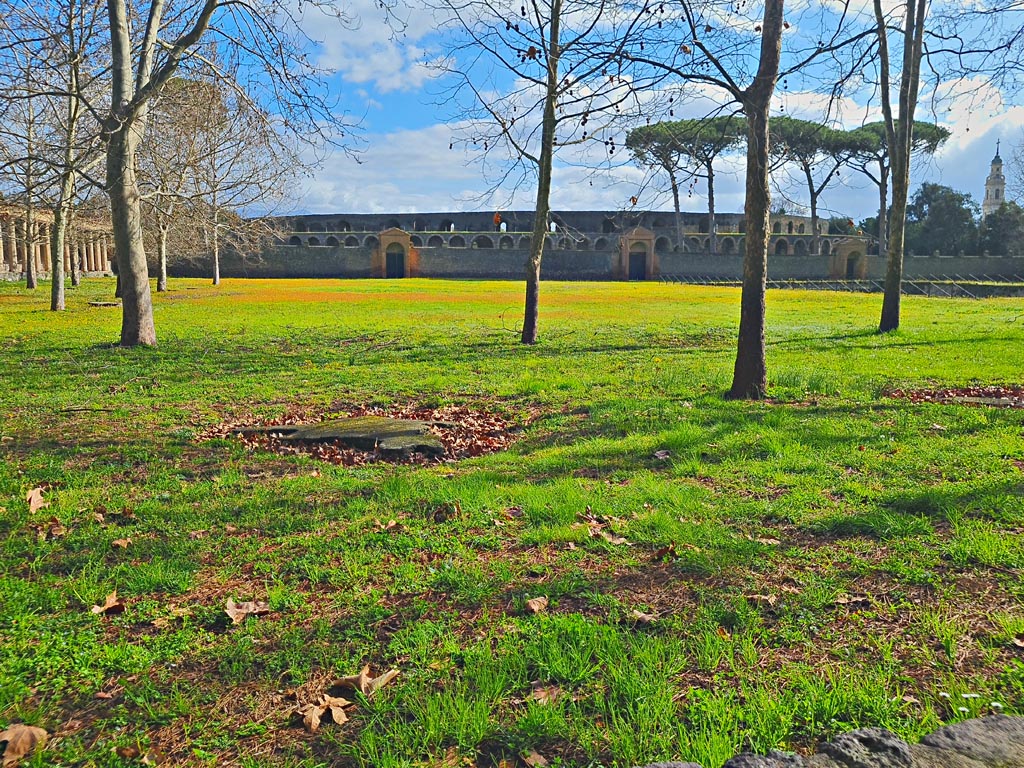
x=712, y=224
x=542, y=208
x=30, y=248
x=675, y=203
x=813, y=194
x=900, y=133
x=750, y=376
x=883, y=209
x=216, y=244
x=161, y=280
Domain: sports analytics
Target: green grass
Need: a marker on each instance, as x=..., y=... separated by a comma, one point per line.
x=840, y=558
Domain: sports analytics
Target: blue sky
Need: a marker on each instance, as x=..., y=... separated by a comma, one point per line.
x=406, y=125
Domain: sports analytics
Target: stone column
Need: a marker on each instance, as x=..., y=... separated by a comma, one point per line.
x=12, y=245
x=89, y=254
x=105, y=253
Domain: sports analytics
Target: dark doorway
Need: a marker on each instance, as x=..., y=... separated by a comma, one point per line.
x=394, y=261
x=637, y=265
x=851, y=267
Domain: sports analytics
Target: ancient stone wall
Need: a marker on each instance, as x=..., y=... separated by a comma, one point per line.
x=996, y=741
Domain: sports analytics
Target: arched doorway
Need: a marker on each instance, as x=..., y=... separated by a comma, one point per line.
x=394, y=261
x=638, y=261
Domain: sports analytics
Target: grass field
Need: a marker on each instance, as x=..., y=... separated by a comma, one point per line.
x=790, y=569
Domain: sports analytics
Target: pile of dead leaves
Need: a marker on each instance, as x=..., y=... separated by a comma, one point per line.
x=463, y=431
x=1010, y=396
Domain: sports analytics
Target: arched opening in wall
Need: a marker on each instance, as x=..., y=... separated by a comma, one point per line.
x=557, y=225
x=503, y=227
x=694, y=244
x=707, y=245
x=393, y=224
x=524, y=243
x=457, y=242
x=800, y=229
x=419, y=225
x=316, y=226
x=565, y=244
x=313, y=241
x=583, y=244
x=371, y=241
x=549, y=243
x=552, y=227
x=299, y=226
x=663, y=245
x=826, y=247
x=601, y=244
x=447, y=225
x=728, y=246
x=853, y=265
x=777, y=228
x=482, y=241
x=800, y=248
x=394, y=261
x=506, y=243
x=703, y=225
x=294, y=240
x=342, y=226
x=638, y=261
x=435, y=241
x=332, y=241
x=351, y=241
x=741, y=244
x=781, y=248
x=789, y=227
x=417, y=241
x=608, y=227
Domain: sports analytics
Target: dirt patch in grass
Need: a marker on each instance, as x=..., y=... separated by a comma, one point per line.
x=464, y=431
x=1009, y=396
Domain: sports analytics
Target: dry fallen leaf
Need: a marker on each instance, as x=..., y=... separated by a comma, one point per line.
x=535, y=760
x=611, y=538
x=312, y=714
x=35, y=500
x=1019, y=641
x=21, y=740
x=547, y=694
x=239, y=611
x=364, y=682
x=662, y=454
x=851, y=600
x=724, y=633
x=110, y=605
x=121, y=543
x=537, y=604
x=643, y=618
x=128, y=753
x=763, y=600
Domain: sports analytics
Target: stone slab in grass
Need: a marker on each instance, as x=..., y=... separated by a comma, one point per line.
x=366, y=433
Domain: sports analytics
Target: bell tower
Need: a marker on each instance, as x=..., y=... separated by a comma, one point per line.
x=995, y=186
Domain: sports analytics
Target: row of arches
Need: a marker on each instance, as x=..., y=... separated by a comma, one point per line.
x=726, y=245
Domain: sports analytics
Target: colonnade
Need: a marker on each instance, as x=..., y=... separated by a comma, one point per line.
x=19, y=241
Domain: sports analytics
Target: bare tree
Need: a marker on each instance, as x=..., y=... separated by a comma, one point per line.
x=265, y=41
x=565, y=58
x=712, y=44
x=985, y=38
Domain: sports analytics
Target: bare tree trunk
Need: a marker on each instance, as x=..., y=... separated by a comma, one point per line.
x=883, y=209
x=58, y=236
x=541, y=210
x=161, y=280
x=216, y=244
x=126, y=217
x=76, y=273
x=813, y=194
x=900, y=134
x=30, y=248
x=750, y=376
x=712, y=224
x=675, y=203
